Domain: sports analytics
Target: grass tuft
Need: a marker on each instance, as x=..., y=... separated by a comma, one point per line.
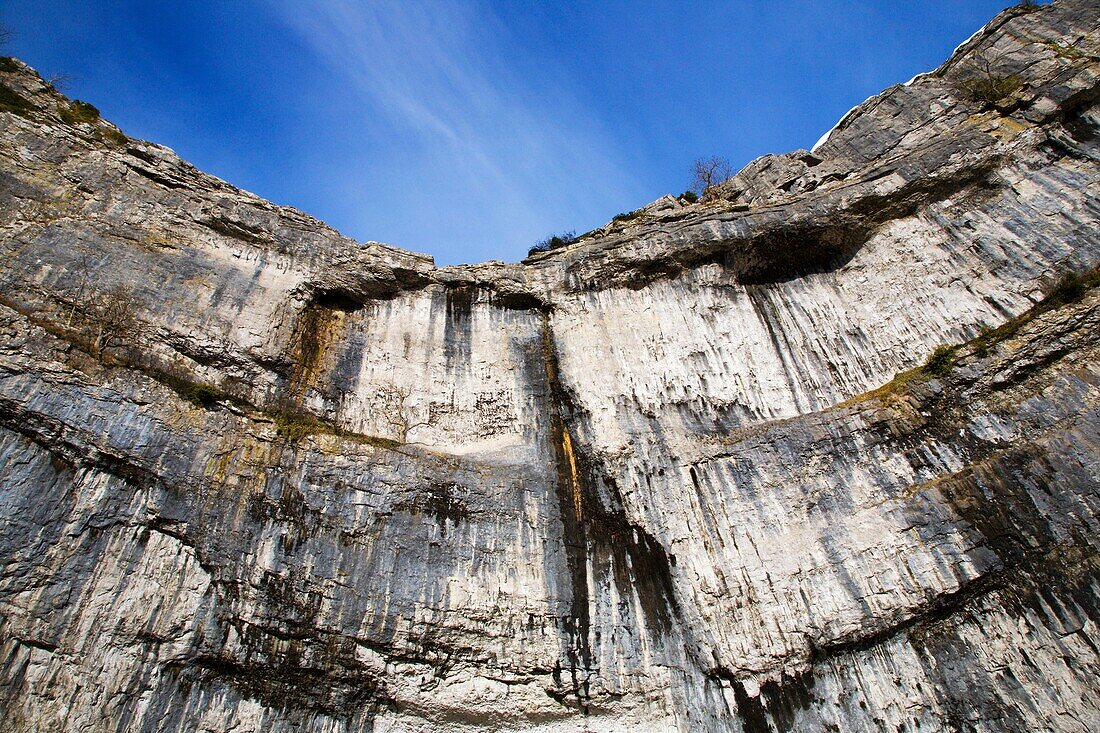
x=991, y=88
x=114, y=137
x=295, y=426
x=1072, y=53
x=1070, y=288
x=78, y=113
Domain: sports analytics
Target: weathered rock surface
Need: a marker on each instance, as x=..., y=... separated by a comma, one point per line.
x=256, y=476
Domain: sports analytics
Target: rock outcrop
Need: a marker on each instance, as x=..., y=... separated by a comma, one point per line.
x=255, y=476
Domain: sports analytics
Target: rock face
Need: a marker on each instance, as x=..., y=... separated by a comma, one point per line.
x=258, y=477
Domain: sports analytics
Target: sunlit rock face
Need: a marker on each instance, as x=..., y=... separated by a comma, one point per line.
x=255, y=476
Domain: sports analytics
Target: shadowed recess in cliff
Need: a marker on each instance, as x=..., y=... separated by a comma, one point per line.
x=303, y=690
x=804, y=242
x=441, y=501
x=314, y=329
x=777, y=705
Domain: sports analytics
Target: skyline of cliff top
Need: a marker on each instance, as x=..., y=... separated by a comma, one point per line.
x=513, y=122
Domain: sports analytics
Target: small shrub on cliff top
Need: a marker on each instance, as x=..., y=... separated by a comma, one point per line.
x=553, y=242
x=79, y=112
x=628, y=216
x=689, y=196
x=560, y=240
x=60, y=81
x=706, y=173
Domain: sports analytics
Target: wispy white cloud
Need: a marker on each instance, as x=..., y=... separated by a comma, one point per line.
x=499, y=155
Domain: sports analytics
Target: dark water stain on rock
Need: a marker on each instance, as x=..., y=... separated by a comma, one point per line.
x=778, y=703
x=457, y=338
x=640, y=564
x=306, y=348
x=440, y=500
x=348, y=363
x=596, y=530
x=314, y=331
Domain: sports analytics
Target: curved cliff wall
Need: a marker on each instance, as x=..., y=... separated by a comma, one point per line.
x=256, y=476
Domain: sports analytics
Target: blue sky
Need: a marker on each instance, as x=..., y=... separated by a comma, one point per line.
x=471, y=129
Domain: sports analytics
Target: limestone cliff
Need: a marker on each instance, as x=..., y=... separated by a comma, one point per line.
x=255, y=476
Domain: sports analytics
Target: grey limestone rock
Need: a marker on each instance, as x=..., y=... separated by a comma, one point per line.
x=686, y=473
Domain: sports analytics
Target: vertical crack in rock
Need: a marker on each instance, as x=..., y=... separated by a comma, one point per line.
x=598, y=535
x=574, y=478
x=575, y=533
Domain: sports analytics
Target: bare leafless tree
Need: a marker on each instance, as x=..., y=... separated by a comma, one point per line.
x=983, y=83
x=7, y=35
x=60, y=81
x=114, y=316
x=79, y=302
x=396, y=411
x=706, y=173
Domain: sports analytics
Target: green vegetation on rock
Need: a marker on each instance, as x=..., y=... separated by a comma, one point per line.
x=940, y=362
x=79, y=112
x=10, y=101
x=553, y=242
